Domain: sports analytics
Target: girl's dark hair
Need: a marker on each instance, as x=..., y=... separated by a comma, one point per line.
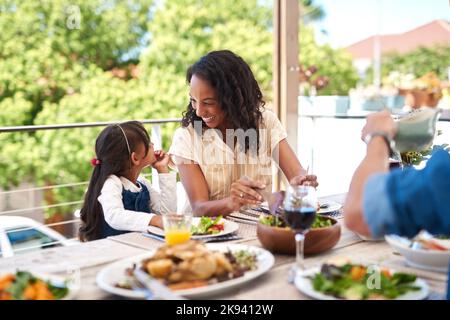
x=115, y=158
x=237, y=90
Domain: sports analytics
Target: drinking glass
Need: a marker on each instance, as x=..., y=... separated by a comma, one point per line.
x=299, y=209
x=395, y=161
x=177, y=227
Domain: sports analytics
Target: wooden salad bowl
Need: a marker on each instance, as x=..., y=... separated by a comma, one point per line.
x=282, y=240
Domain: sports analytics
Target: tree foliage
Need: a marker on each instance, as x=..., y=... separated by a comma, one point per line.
x=62, y=63
x=336, y=64
x=417, y=62
x=420, y=61
x=184, y=30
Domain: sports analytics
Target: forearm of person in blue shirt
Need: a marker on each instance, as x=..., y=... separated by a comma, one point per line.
x=375, y=161
x=401, y=202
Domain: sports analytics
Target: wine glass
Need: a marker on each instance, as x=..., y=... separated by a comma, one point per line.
x=395, y=161
x=299, y=210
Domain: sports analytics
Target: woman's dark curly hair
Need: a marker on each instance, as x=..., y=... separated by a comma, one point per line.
x=238, y=92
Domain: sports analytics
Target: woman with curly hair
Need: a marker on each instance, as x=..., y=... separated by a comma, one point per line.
x=225, y=147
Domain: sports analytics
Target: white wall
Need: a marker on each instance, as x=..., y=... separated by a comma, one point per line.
x=333, y=148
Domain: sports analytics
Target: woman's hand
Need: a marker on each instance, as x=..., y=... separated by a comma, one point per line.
x=243, y=193
x=305, y=180
x=162, y=161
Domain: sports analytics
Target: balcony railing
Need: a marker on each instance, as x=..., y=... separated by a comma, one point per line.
x=5, y=246
x=331, y=155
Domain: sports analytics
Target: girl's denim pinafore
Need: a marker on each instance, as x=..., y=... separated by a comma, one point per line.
x=134, y=201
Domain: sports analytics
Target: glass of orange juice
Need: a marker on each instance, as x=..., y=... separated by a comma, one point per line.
x=177, y=228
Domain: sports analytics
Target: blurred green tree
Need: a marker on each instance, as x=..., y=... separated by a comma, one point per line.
x=310, y=11
x=99, y=60
x=335, y=64
x=48, y=50
x=417, y=62
x=184, y=30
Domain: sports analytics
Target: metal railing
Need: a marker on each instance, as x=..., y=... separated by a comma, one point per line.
x=157, y=140
x=6, y=248
x=81, y=125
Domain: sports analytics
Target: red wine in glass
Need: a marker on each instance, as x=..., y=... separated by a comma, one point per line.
x=394, y=164
x=300, y=219
x=299, y=213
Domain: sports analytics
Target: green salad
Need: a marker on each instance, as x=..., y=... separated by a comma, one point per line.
x=358, y=282
x=23, y=285
x=208, y=226
x=274, y=221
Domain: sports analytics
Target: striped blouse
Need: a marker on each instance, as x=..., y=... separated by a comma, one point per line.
x=223, y=163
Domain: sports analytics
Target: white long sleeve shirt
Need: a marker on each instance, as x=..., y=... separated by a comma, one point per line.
x=119, y=218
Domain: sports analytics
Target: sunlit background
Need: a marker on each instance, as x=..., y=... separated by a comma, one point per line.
x=84, y=61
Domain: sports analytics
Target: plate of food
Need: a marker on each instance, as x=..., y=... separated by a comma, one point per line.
x=351, y=281
x=25, y=285
x=204, y=227
x=192, y=269
x=324, y=207
x=328, y=207
x=424, y=251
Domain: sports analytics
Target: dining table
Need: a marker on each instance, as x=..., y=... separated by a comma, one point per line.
x=87, y=259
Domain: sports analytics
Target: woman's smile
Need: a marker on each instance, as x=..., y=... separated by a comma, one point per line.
x=209, y=119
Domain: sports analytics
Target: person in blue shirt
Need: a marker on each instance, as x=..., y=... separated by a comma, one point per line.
x=401, y=202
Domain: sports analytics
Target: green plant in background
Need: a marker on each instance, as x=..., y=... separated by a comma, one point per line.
x=416, y=157
x=411, y=158
x=310, y=11
x=335, y=64
x=417, y=62
x=48, y=51
x=184, y=30
x=98, y=60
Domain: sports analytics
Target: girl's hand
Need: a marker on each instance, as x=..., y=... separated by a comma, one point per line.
x=157, y=222
x=162, y=161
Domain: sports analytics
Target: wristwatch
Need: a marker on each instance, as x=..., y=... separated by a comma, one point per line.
x=389, y=142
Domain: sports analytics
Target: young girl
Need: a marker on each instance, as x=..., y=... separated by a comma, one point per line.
x=118, y=200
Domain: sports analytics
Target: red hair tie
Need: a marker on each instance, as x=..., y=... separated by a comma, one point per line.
x=95, y=162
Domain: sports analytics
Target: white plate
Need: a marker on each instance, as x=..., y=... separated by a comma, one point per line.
x=332, y=207
x=114, y=273
x=228, y=227
x=305, y=286
x=369, y=238
x=432, y=260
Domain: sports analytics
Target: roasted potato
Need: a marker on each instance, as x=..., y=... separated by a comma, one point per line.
x=160, y=268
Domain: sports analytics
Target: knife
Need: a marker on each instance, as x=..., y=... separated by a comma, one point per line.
x=153, y=236
x=274, y=199
x=160, y=291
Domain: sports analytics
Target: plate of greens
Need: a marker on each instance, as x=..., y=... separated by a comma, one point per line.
x=205, y=227
x=24, y=285
x=359, y=282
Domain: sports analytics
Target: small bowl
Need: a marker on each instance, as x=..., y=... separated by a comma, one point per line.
x=282, y=240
